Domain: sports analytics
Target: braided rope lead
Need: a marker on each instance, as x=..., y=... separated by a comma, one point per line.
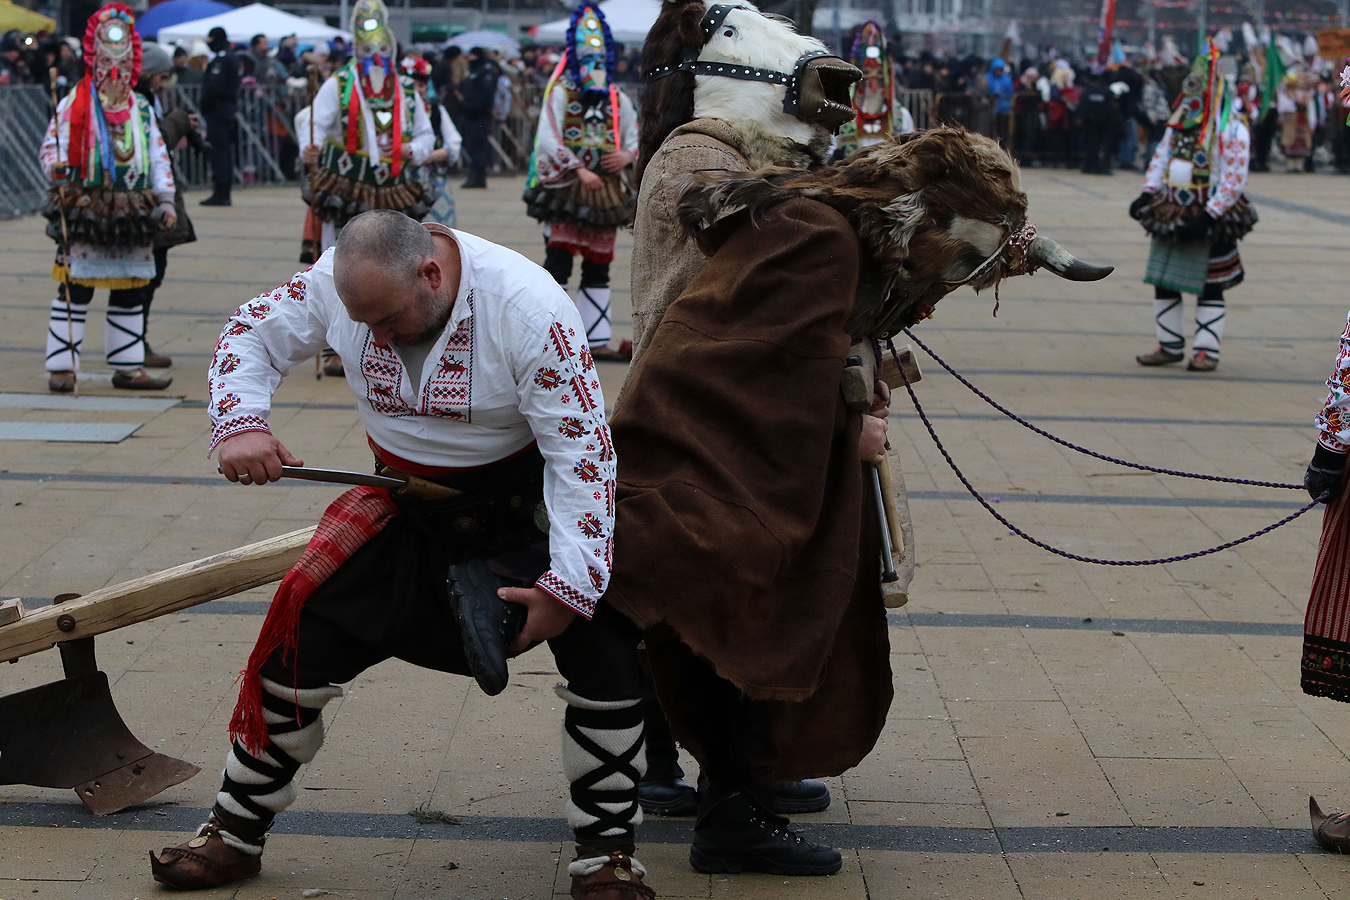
x=1013, y=529
x=1084, y=450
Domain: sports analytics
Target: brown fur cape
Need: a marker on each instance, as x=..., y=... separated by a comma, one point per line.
x=742, y=534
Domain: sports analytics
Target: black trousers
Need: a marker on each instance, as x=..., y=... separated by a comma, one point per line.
x=558, y=263
x=477, y=130
x=391, y=600
x=220, y=127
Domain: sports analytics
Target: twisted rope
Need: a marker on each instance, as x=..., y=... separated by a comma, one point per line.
x=1084, y=450
x=1013, y=529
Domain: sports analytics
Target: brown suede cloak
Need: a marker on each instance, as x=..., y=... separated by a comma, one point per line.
x=741, y=524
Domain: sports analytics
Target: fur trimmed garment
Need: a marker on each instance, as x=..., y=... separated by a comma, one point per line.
x=742, y=526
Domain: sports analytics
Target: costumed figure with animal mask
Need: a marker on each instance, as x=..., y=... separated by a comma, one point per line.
x=746, y=547
x=112, y=196
x=728, y=89
x=878, y=111
x=579, y=183
x=370, y=134
x=1195, y=209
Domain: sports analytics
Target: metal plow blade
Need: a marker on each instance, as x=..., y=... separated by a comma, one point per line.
x=68, y=734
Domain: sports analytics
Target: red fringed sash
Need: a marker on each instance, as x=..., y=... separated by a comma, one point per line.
x=348, y=523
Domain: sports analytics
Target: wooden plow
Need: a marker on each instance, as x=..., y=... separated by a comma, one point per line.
x=68, y=734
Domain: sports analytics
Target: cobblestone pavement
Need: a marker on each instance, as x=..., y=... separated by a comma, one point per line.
x=1059, y=729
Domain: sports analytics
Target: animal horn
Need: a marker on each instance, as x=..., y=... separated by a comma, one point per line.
x=1047, y=253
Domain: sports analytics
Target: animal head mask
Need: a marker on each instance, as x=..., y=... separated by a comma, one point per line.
x=732, y=62
x=933, y=211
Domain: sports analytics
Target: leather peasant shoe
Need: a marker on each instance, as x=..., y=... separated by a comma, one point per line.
x=206, y=861
x=332, y=367
x=155, y=360
x=488, y=624
x=792, y=797
x=1202, y=361
x=138, y=380
x=737, y=835
x=1332, y=832
x=608, y=354
x=668, y=797
x=61, y=382
x=1160, y=357
x=615, y=880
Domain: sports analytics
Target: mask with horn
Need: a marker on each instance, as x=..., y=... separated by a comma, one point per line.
x=932, y=211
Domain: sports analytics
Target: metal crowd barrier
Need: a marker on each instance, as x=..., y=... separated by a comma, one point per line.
x=25, y=111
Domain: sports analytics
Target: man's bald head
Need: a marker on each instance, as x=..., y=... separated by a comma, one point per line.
x=385, y=237
x=389, y=275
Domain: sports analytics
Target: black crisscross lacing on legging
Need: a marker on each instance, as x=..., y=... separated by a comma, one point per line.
x=584, y=793
x=1013, y=529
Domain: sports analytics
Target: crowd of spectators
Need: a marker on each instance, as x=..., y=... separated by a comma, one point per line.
x=1058, y=113
x=1048, y=110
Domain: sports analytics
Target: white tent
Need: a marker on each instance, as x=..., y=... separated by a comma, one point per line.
x=256, y=18
x=629, y=21
x=488, y=40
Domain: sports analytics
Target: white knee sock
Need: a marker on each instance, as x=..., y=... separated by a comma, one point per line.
x=124, y=337
x=593, y=304
x=65, y=332
x=1167, y=321
x=1209, y=314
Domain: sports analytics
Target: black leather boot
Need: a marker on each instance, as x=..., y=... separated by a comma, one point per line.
x=792, y=797
x=667, y=797
x=736, y=834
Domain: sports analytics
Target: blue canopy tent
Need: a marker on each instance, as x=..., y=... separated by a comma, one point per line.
x=176, y=12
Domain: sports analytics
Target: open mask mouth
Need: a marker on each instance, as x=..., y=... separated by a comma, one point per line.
x=825, y=92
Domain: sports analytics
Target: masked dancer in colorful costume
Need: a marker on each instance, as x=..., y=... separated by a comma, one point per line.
x=113, y=195
x=578, y=183
x=1194, y=207
x=470, y=372
x=371, y=134
x=1326, y=627
x=874, y=97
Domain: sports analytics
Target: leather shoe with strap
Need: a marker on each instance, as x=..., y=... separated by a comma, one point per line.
x=138, y=380
x=1160, y=357
x=1331, y=831
x=1202, y=361
x=206, y=861
x=616, y=879
x=61, y=382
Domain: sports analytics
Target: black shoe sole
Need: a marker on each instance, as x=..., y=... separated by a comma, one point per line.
x=714, y=864
x=797, y=807
x=678, y=807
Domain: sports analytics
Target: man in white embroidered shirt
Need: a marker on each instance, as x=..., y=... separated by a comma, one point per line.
x=471, y=371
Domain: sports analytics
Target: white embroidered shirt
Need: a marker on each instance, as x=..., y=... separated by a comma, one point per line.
x=512, y=367
x=1227, y=177
x=1333, y=422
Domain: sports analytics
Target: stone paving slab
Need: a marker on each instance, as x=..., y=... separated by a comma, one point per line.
x=1046, y=710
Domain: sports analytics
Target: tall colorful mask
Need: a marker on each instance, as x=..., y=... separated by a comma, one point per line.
x=590, y=49
x=373, y=42
x=111, y=42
